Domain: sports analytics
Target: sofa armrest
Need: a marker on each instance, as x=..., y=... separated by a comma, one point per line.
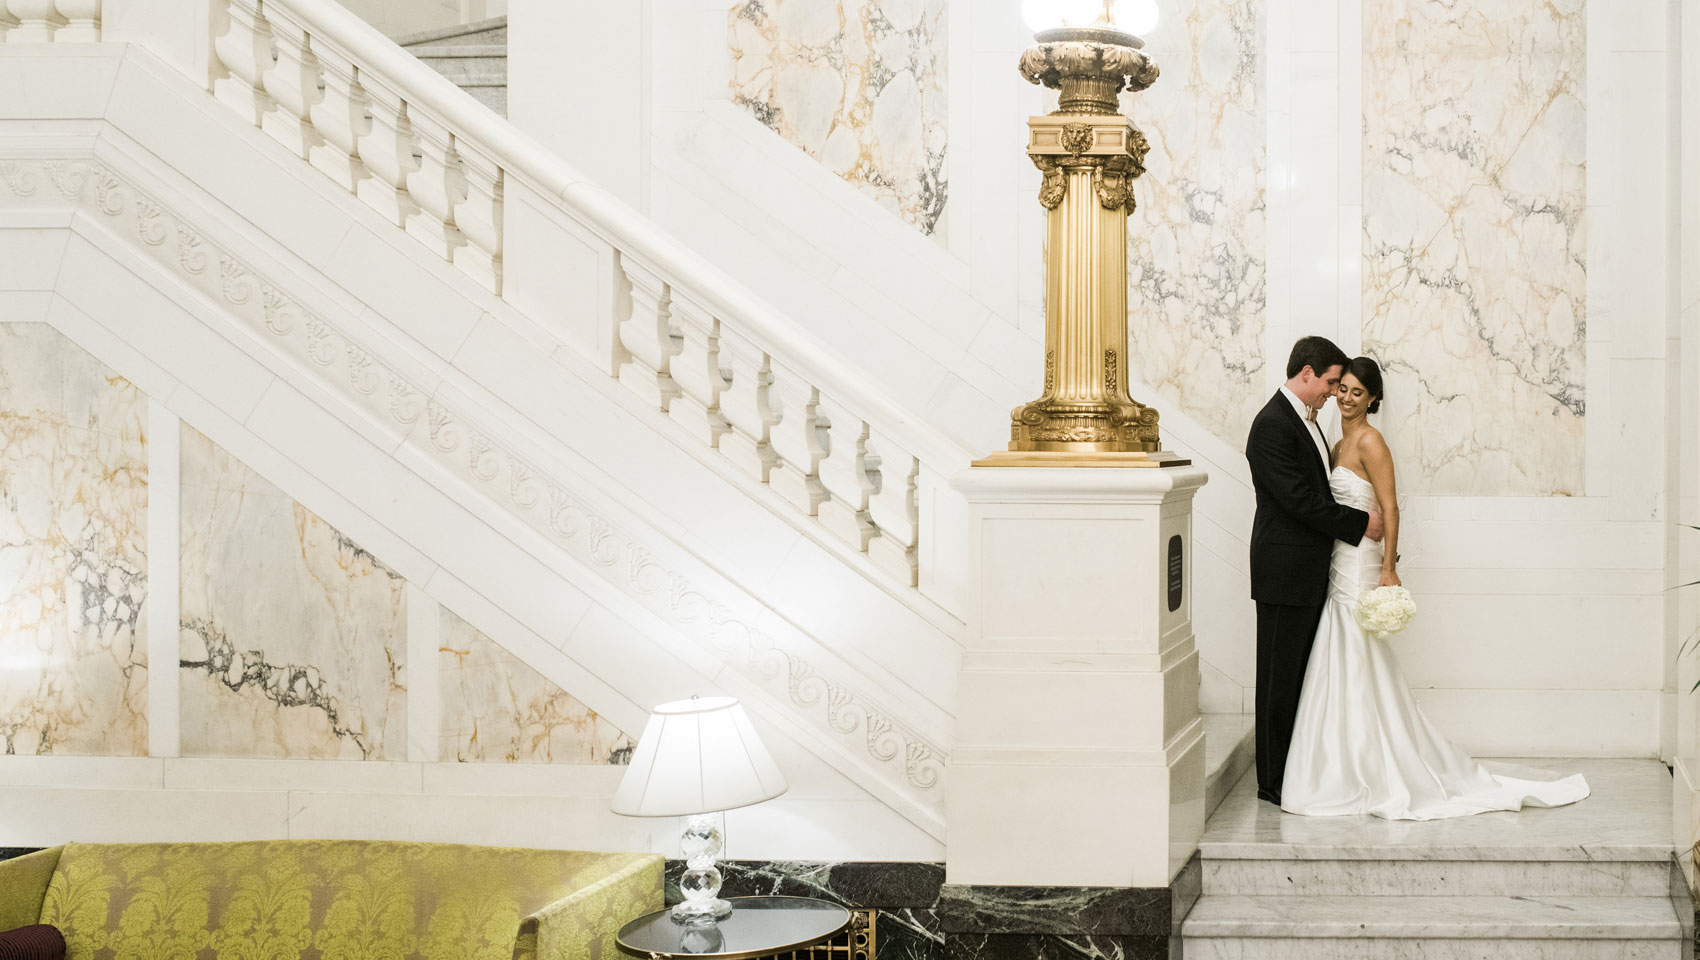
x=23, y=886
x=585, y=925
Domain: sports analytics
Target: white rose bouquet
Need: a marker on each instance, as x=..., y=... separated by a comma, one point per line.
x=1385, y=611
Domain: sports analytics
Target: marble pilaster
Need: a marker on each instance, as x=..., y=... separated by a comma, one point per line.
x=1475, y=239
x=1196, y=250
x=73, y=542
x=857, y=84
x=293, y=637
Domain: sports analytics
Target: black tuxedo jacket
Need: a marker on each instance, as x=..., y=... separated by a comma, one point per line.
x=1297, y=519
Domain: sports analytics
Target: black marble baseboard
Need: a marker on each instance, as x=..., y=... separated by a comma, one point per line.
x=920, y=917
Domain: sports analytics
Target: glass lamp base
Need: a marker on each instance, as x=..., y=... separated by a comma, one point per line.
x=697, y=913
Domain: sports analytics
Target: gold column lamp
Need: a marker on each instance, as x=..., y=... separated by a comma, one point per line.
x=1090, y=155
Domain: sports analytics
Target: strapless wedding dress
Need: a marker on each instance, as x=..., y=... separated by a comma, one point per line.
x=1360, y=743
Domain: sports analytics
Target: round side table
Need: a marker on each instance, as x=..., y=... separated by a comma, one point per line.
x=758, y=927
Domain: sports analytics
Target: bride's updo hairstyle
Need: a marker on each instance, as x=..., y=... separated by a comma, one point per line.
x=1368, y=373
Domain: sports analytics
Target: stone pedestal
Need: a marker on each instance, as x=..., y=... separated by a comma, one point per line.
x=1079, y=759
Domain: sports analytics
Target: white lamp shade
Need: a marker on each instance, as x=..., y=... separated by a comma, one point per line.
x=697, y=756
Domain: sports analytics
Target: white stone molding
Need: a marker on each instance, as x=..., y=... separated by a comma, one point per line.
x=852, y=722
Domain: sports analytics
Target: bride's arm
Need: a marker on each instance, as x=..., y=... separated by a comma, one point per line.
x=1378, y=460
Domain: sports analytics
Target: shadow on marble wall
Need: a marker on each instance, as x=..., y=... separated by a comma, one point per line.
x=294, y=638
x=1475, y=279
x=73, y=550
x=1197, y=247
x=495, y=708
x=857, y=84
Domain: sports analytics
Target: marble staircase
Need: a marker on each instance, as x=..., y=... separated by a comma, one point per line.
x=1593, y=880
x=473, y=55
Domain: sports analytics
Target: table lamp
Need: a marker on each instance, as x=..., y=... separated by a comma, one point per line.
x=696, y=758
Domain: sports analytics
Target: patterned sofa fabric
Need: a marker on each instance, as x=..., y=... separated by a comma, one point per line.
x=23, y=885
x=344, y=900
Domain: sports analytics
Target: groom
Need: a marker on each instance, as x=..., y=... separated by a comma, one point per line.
x=1292, y=539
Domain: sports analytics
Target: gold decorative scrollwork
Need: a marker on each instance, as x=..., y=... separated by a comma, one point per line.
x=1055, y=184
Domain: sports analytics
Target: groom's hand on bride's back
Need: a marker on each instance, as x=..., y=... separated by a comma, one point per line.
x=1376, y=530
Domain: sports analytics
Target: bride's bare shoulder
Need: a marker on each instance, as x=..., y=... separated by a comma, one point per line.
x=1372, y=444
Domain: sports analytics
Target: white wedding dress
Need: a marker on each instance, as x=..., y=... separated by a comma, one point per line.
x=1360, y=743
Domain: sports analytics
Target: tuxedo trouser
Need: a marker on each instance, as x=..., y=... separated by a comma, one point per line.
x=1284, y=638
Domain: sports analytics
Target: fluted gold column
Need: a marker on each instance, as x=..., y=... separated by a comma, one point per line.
x=1090, y=155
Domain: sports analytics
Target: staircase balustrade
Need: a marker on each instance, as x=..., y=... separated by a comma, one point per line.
x=704, y=352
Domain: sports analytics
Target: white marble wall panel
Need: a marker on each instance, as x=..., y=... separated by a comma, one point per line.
x=497, y=709
x=1475, y=280
x=73, y=546
x=859, y=85
x=293, y=639
x=1196, y=252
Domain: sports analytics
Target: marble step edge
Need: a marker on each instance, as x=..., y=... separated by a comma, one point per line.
x=1367, y=878
x=450, y=34
x=461, y=51
x=1434, y=918
x=1240, y=850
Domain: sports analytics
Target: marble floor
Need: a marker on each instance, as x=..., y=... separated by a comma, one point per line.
x=1627, y=817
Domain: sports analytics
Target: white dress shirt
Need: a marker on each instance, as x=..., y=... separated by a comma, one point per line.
x=1310, y=425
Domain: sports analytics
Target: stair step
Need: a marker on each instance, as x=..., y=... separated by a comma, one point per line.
x=482, y=72
x=1403, y=927
x=460, y=51
x=1437, y=878
x=493, y=30
x=1229, y=751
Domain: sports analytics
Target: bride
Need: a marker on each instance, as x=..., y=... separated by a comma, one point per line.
x=1360, y=743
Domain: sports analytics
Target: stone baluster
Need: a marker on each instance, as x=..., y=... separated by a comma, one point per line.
x=795, y=438
x=340, y=119
x=648, y=337
x=387, y=152
x=292, y=82
x=745, y=406
x=435, y=186
x=479, y=217
x=844, y=473
x=8, y=22
x=245, y=49
x=894, y=507
x=697, y=371
x=82, y=21
x=36, y=19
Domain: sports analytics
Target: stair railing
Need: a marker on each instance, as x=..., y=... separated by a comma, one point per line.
x=703, y=350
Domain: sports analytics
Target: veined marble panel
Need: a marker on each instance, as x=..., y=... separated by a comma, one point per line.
x=1196, y=250
x=294, y=639
x=859, y=85
x=73, y=550
x=495, y=708
x=1475, y=279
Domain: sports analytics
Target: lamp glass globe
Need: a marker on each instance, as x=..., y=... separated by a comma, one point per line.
x=1138, y=17
x=1051, y=14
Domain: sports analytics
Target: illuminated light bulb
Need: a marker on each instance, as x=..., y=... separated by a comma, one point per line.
x=1138, y=17
x=1041, y=15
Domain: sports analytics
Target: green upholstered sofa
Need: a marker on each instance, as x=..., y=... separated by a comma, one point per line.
x=329, y=900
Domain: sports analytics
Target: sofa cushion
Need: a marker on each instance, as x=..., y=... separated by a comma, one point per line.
x=38, y=941
x=23, y=885
x=326, y=899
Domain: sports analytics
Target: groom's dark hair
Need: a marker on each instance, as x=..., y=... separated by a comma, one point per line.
x=1317, y=353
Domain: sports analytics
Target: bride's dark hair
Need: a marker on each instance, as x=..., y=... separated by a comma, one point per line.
x=1368, y=373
